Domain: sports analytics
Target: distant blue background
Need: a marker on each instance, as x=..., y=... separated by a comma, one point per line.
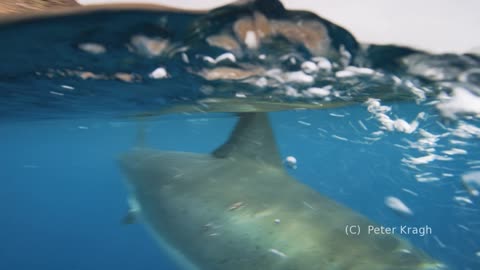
x=62, y=196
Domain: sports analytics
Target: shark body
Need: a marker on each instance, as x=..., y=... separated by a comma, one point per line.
x=237, y=208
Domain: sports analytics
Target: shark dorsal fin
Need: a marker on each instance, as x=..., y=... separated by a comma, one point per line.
x=251, y=138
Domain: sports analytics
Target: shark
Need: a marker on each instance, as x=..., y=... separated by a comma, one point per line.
x=238, y=208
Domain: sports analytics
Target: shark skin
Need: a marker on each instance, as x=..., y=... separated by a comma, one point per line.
x=237, y=208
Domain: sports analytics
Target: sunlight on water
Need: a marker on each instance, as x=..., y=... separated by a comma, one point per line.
x=390, y=132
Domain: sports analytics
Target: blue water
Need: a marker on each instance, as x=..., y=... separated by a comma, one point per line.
x=62, y=194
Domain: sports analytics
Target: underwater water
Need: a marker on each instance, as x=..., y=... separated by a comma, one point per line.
x=392, y=133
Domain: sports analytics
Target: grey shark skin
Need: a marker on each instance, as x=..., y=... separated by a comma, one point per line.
x=237, y=208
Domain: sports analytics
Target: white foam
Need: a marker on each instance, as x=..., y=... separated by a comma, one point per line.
x=344, y=74
x=149, y=46
x=185, y=58
x=68, y=87
x=299, y=77
x=410, y=192
x=462, y=199
x=93, y=48
x=362, y=125
x=251, y=40
x=427, y=179
x=361, y=70
x=466, y=131
x=396, y=80
x=323, y=63
x=472, y=178
x=374, y=106
x=261, y=82
x=397, y=205
x=209, y=59
x=309, y=67
x=339, y=138
x=421, y=160
x=304, y=123
x=292, y=92
x=420, y=93
x=56, y=93
x=223, y=57
x=461, y=101
x=159, y=73
x=317, y=91
x=455, y=151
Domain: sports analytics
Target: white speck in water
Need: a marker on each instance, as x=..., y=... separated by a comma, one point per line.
x=209, y=59
x=304, y=123
x=426, y=177
x=56, y=93
x=362, y=125
x=240, y=95
x=421, y=160
x=440, y=243
x=68, y=87
x=82, y=127
x=277, y=221
x=339, y=138
x=291, y=161
x=93, y=48
x=185, y=58
x=462, y=199
x=471, y=181
x=455, y=151
x=276, y=252
x=410, y=192
x=308, y=205
x=159, y=73
x=397, y=205
x=226, y=57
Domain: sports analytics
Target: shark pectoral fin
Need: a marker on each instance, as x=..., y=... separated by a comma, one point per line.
x=130, y=218
x=134, y=208
x=251, y=138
